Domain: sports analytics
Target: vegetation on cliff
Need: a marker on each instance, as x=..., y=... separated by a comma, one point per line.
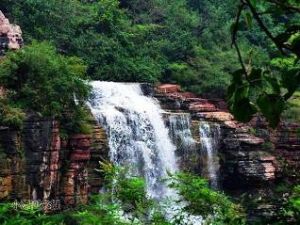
x=183, y=41
x=37, y=79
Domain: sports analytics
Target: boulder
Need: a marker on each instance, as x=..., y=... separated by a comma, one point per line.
x=168, y=88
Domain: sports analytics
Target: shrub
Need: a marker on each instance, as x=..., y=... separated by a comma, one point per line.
x=292, y=210
x=10, y=115
x=41, y=80
x=214, y=206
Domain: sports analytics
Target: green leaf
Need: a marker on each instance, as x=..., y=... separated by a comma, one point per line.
x=243, y=110
x=271, y=106
x=291, y=81
x=271, y=85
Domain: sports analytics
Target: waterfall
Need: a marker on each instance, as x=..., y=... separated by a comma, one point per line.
x=209, y=139
x=138, y=137
x=136, y=132
x=180, y=131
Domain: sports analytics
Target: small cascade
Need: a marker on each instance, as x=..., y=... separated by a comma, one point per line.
x=209, y=138
x=180, y=131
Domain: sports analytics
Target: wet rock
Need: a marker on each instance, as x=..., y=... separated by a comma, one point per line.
x=147, y=89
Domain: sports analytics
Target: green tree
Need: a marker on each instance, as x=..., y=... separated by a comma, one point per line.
x=214, y=206
x=39, y=79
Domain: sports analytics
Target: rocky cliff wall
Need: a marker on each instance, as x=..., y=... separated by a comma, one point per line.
x=36, y=164
x=249, y=153
x=244, y=159
x=254, y=160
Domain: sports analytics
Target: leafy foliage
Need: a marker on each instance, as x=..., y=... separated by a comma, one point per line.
x=294, y=205
x=214, y=206
x=10, y=115
x=40, y=80
x=267, y=90
x=182, y=41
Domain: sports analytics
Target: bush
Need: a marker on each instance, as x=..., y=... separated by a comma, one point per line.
x=292, y=210
x=214, y=206
x=41, y=80
x=10, y=115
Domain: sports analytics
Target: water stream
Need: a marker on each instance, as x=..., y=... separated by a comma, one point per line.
x=209, y=139
x=180, y=131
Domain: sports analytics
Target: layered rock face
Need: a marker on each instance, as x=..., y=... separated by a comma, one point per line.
x=10, y=35
x=36, y=164
x=253, y=158
x=285, y=141
x=243, y=158
x=287, y=144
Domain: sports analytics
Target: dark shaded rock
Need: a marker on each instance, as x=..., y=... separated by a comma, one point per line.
x=147, y=89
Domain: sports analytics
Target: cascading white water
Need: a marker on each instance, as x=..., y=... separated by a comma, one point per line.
x=209, y=139
x=139, y=138
x=180, y=131
x=136, y=131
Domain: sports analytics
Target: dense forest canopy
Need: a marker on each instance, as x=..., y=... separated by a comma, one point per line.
x=185, y=41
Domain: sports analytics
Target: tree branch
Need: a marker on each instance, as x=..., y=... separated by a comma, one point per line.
x=234, y=38
x=280, y=46
x=286, y=6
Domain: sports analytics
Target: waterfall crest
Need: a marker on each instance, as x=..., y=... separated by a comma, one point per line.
x=136, y=131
